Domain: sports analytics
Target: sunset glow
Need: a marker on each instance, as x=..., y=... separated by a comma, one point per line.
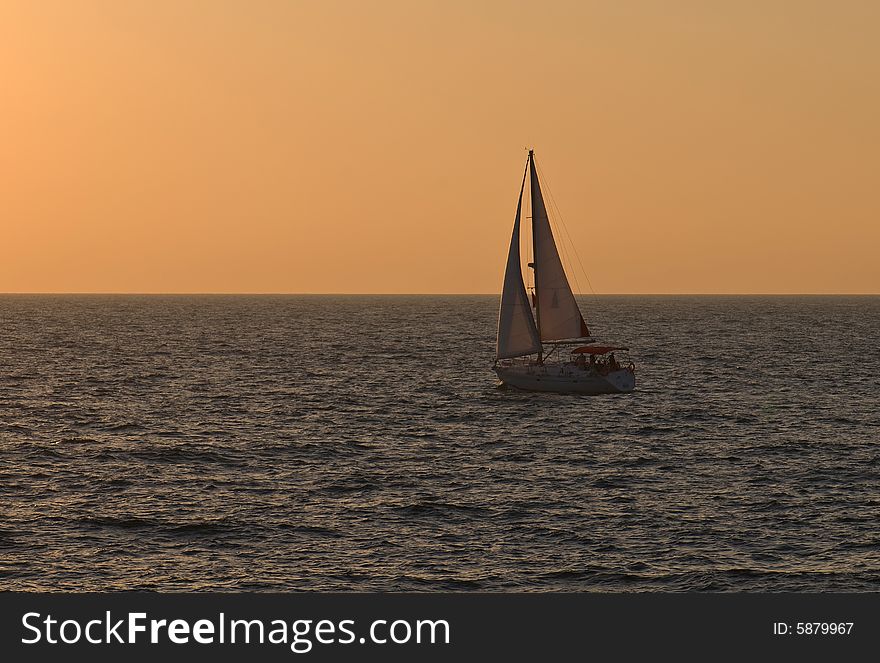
x=282, y=146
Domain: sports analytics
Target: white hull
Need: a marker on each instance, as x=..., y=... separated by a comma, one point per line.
x=566, y=378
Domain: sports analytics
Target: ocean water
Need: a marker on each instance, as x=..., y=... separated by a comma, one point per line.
x=361, y=443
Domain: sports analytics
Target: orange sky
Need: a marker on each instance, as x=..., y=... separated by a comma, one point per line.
x=284, y=146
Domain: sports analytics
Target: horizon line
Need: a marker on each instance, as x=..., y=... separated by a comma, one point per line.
x=433, y=294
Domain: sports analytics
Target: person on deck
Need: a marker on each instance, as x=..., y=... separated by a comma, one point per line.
x=612, y=363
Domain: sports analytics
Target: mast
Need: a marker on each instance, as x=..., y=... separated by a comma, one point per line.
x=533, y=182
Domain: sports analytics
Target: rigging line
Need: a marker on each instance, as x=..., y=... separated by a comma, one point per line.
x=522, y=215
x=528, y=240
x=567, y=260
x=567, y=233
x=562, y=243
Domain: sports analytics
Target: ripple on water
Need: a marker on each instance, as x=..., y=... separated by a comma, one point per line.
x=232, y=443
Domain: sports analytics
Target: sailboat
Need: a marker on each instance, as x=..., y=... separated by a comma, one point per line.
x=543, y=341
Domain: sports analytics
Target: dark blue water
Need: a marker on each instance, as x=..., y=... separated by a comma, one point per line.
x=361, y=443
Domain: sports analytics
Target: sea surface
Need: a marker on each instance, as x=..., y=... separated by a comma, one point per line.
x=362, y=443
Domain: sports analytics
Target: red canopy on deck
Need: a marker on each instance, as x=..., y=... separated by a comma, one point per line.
x=596, y=349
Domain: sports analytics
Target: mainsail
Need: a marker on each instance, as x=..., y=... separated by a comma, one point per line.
x=557, y=311
x=517, y=334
